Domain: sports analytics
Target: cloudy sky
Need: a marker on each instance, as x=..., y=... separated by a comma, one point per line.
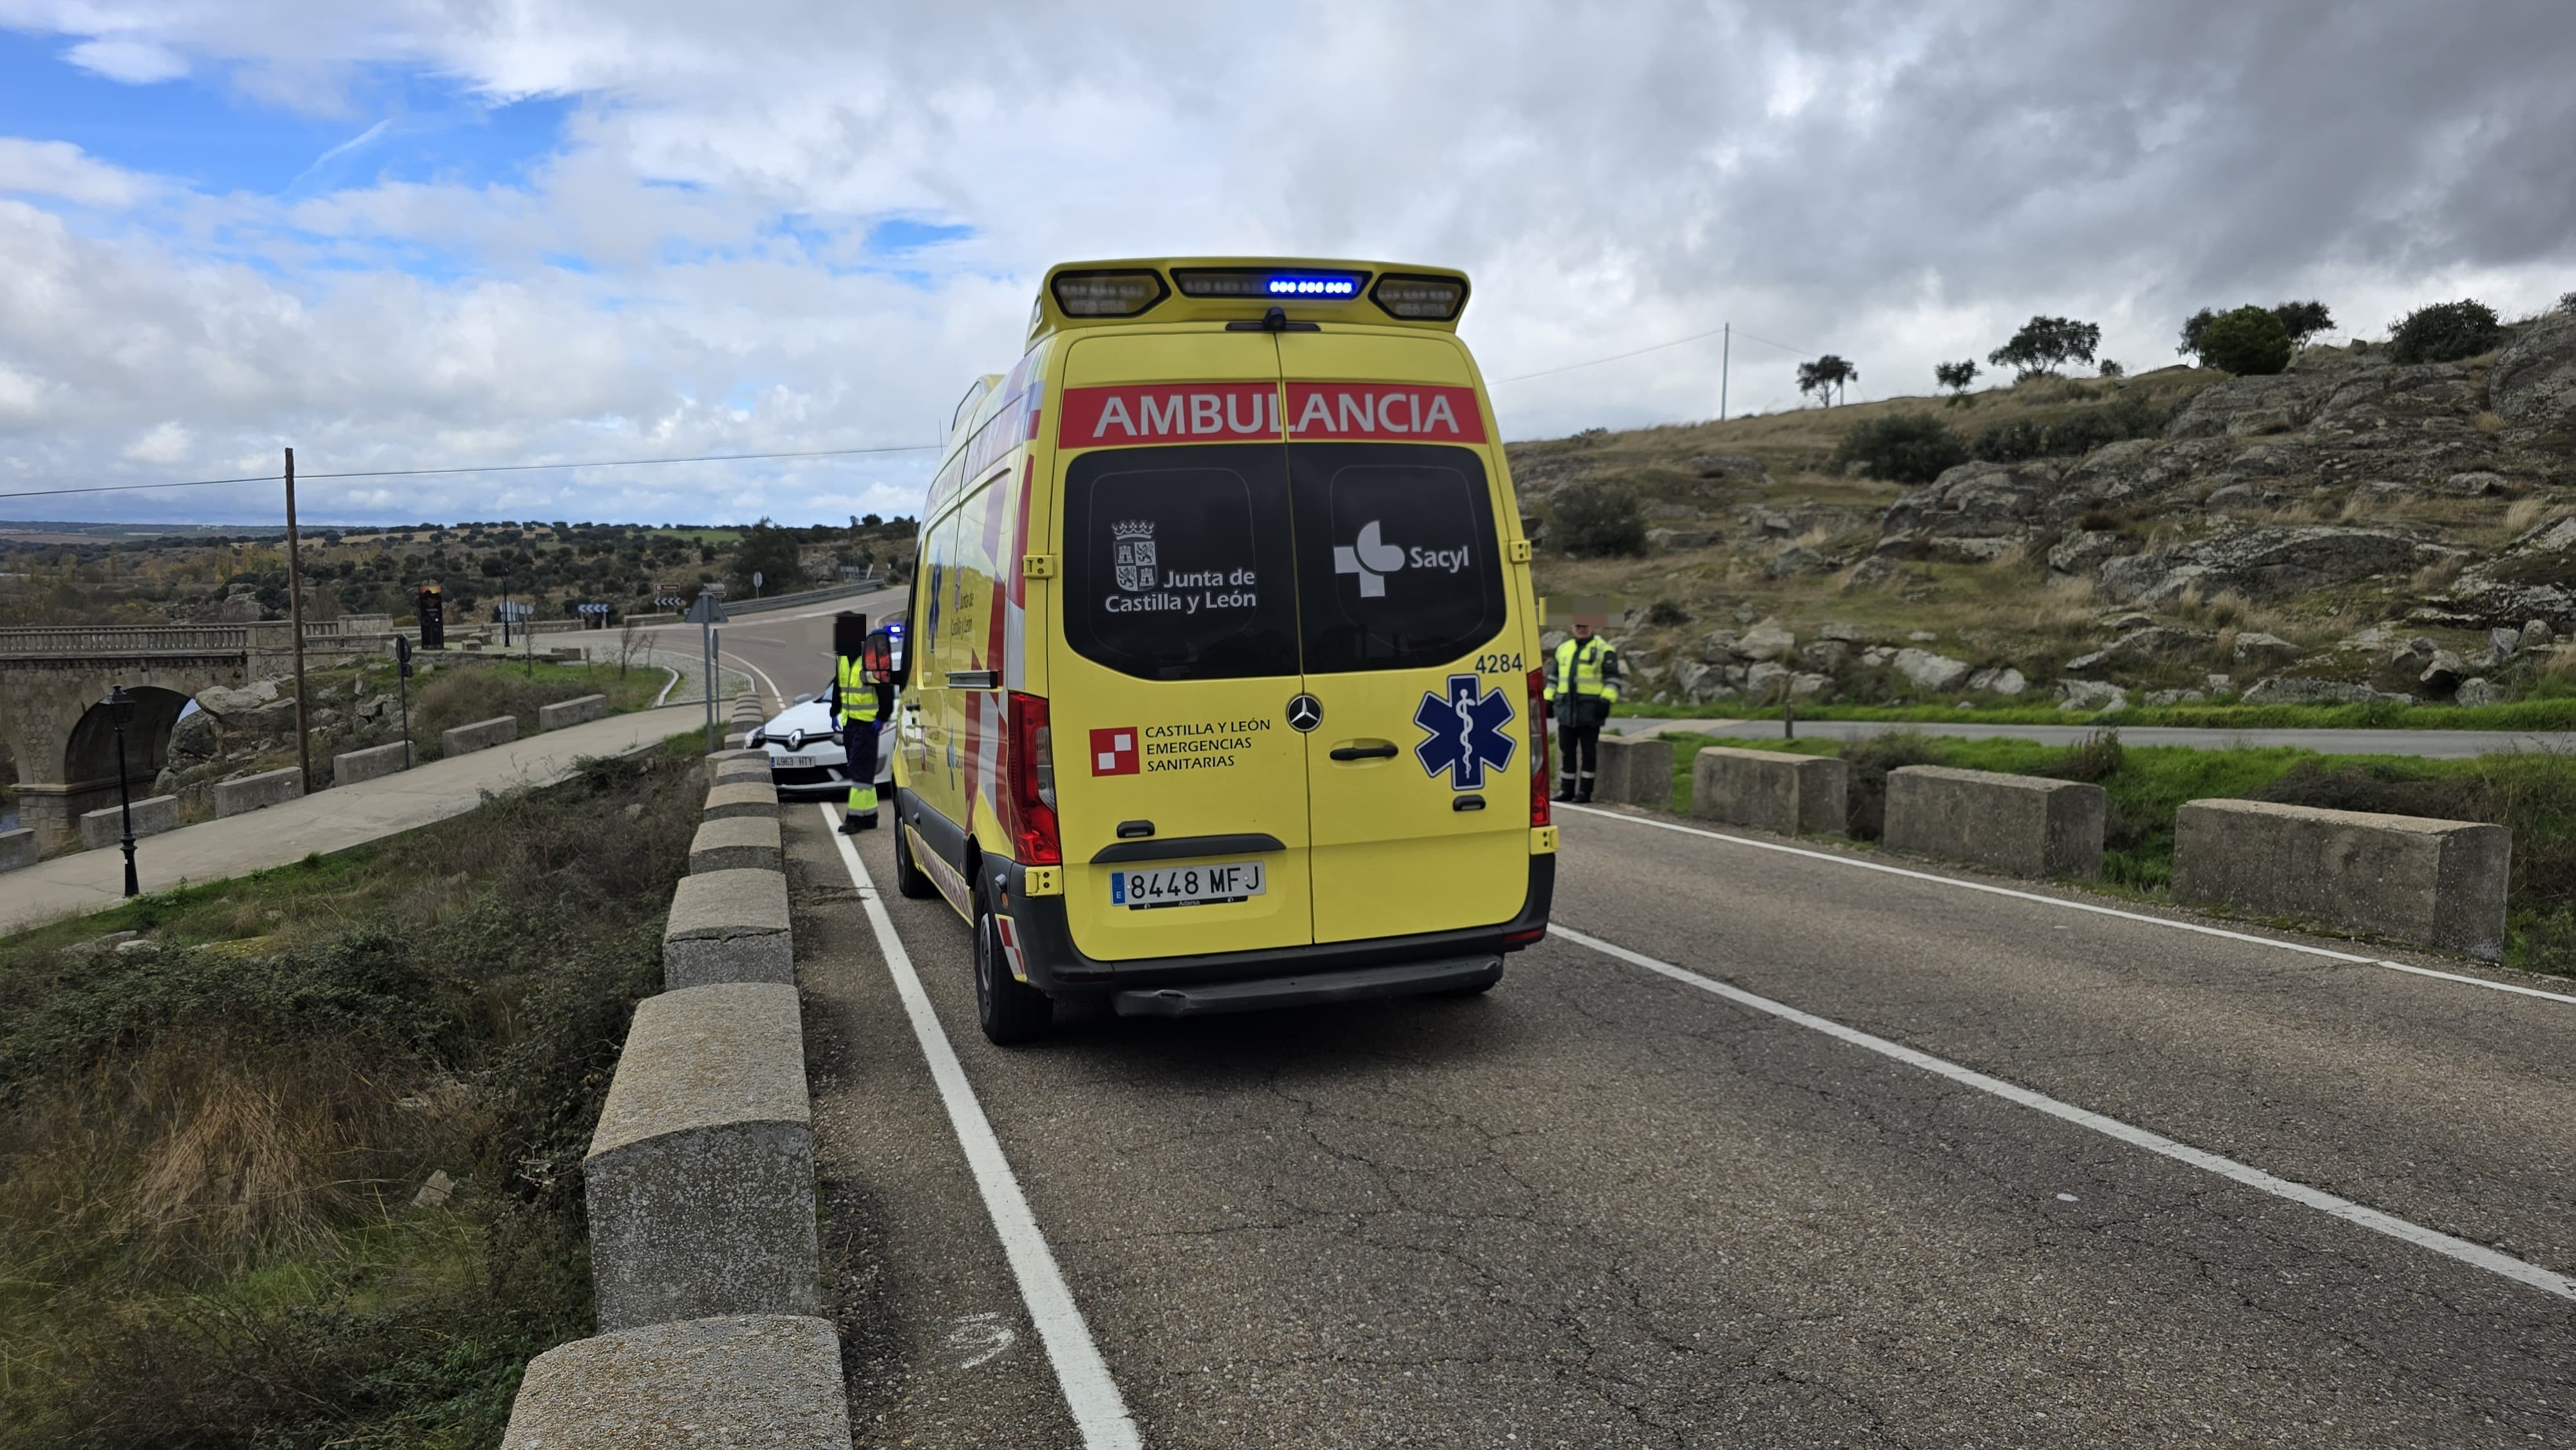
x=423, y=234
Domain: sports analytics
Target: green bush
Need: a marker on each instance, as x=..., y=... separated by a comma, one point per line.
x=1903, y=448
x=1595, y=520
x=1865, y=789
x=2249, y=341
x=2010, y=442
x=2445, y=332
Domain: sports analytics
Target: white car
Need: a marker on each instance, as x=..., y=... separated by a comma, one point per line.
x=806, y=761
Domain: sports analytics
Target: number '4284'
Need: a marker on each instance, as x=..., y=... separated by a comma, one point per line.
x=1499, y=664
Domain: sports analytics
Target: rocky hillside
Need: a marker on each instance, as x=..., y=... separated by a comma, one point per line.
x=2351, y=529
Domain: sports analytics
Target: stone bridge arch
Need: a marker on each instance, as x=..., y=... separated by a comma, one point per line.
x=61, y=740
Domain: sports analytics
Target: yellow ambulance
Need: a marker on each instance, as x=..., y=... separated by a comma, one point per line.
x=1224, y=681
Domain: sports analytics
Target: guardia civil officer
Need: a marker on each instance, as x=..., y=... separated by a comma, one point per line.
x=1582, y=685
x=859, y=701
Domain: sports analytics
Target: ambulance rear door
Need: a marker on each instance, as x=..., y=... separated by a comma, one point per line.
x=1182, y=783
x=1413, y=634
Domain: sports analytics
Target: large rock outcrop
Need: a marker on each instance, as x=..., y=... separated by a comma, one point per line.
x=2264, y=563
x=2534, y=382
x=1976, y=511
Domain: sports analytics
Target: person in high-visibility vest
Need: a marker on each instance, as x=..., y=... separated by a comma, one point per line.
x=1582, y=685
x=859, y=702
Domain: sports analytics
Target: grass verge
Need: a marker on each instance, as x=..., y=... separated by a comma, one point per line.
x=2533, y=794
x=212, y=1147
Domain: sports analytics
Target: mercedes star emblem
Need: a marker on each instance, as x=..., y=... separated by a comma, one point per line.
x=1305, y=712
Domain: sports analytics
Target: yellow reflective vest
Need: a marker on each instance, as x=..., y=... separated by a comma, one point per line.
x=853, y=696
x=1584, y=669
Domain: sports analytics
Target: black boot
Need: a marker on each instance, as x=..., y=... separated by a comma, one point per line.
x=1565, y=793
x=852, y=825
x=868, y=822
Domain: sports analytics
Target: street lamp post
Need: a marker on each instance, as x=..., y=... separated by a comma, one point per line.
x=120, y=705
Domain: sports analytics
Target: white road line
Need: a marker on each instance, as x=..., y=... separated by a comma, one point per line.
x=764, y=677
x=2475, y=1255
x=2058, y=901
x=1099, y=1410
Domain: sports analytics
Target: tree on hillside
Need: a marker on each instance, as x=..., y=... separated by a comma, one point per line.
x=2046, y=344
x=1823, y=376
x=1955, y=376
x=2247, y=341
x=2303, y=320
x=769, y=551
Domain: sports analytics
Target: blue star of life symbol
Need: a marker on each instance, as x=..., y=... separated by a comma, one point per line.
x=1465, y=732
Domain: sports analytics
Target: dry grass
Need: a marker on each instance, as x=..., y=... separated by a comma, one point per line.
x=207, y=1157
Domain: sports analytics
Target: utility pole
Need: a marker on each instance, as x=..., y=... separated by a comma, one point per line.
x=1725, y=366
x=295, y=616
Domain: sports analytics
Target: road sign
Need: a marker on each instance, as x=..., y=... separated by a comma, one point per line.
x=512, y=610
x=600, y=609
x=668, y=601
x=708, y=610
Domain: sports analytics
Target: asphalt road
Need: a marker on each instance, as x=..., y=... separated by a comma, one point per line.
x=2439, y=744
x=1606, y=1205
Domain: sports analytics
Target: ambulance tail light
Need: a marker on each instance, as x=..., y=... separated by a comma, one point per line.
x=1541, y=812
x=1028, y=790
x=1107, y=293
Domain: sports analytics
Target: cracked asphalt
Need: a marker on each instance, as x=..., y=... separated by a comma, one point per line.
x=1600, y=1208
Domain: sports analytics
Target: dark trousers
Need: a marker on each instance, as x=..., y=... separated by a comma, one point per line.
x=1578, y=755
x=859, y=745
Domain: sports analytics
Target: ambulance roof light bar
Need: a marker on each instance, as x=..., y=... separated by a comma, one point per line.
x=1275, y=284
x=1108, y=293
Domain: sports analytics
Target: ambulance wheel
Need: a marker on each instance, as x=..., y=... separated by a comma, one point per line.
x=908, y=880
x=1009, y=1010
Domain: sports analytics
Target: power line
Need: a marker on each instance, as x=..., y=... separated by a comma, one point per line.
x=480, y=468
x=1641, y=352
x=762, y=457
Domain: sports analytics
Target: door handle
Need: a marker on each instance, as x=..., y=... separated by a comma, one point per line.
x=1383, y=750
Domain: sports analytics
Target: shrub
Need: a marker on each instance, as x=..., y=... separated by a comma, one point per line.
x=2081, y=433
x=1592, y=520
x=1903, y=448
x=1869, y=761
x=1665, y=614
x=2567, y=302
x=2010, y=442
x=2444, y=332
x=1957, y=375
x=2247, y=341
x=2110, y=369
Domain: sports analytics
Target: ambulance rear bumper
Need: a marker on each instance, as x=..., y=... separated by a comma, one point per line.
x=1465, y=975
x=1276, y=977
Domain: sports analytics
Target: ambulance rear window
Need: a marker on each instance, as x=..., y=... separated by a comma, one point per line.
x=1177, y=562
x=1397, y=562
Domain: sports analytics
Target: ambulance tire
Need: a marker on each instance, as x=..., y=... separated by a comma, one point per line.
x=909, y=882
x=1009, y=1010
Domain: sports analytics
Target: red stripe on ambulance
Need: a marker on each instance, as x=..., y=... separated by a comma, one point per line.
x=1384, y=410
x=1120, y=417
x=1167, y=413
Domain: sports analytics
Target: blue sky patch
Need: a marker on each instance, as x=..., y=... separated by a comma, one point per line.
x=400, y=125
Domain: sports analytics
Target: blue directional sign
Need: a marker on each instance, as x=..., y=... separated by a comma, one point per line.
x=1464, y=732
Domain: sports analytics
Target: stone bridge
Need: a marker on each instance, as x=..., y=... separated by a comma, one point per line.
x=51, y=682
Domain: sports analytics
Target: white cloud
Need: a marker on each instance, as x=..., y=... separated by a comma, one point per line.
x=165, y=443
x=58, y=168
x=1896, y=184
x=134, y=62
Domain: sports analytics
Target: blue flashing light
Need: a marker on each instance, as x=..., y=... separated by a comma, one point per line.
x=1314, y=286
